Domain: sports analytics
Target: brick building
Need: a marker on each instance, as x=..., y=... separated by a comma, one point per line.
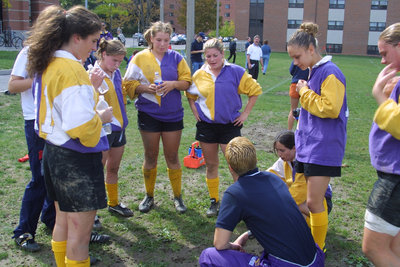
x=345, y=26
x=20, y=14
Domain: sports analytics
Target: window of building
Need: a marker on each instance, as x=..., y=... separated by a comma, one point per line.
x=171, y=22
x=337, y=4
x=372, y=50
x=171, y=14
x=294, y=24
x=333, y=48
x=335, y=25
x=257, y=1
x=296, y=3
x=380, y=5
x=227, y=15
x=227, y=6
x=171, y=6
x=377, y=26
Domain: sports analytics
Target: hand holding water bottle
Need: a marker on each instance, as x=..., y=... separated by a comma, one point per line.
x=158, y=81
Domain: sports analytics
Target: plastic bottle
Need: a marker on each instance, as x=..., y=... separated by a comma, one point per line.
x=102, y=105
x=158, y=81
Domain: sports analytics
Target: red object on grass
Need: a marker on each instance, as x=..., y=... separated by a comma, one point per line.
x=192, y=160
x=26, y=157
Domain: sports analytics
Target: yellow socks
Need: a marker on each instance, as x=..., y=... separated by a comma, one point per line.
x=213, y=187
x=59, y=249
x=175, y=178
x=319, y=226
x=112, y=194
x=72, y=263
x=149, y=176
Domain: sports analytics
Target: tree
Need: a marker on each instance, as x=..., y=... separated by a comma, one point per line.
x=109, y=9
x=228, y=29
x=205, y=15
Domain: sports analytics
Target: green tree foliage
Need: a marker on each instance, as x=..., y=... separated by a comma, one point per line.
x=205, y=15
x=228, y=29
x=130, y=15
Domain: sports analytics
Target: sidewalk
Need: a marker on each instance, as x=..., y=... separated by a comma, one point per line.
x=4, y=77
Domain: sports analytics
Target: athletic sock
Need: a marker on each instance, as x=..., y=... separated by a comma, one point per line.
x=59, y=250
x=112, y=194
x=213, y=187
x=175, y=178
x=72, y=263
x=149, y=176
x=319, y=226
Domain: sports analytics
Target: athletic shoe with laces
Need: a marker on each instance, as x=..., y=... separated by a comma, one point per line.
x=179, y=206
x=121, y=209
x=99, y=238
x=97, y=224
x=214, y=208
x=146, y=204
x=26, y=242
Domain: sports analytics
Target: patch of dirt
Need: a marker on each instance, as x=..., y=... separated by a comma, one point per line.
x=262, y=135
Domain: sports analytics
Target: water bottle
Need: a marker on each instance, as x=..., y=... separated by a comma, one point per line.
x=158, y=81
x=102, y=105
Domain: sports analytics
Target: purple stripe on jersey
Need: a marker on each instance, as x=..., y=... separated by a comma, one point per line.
x=117, y=82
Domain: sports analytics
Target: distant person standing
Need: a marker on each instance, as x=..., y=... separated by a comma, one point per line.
x=254, y=57
x=246, y=45
x=232, y=50
x=297, y=74
x=266, y=52
x=121, y=36
x=195, y=52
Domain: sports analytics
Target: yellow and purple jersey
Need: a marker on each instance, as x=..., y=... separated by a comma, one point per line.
x=65, y=102
x=217, y=99
x=384, y=138
x=321, y=131
x=141, y=70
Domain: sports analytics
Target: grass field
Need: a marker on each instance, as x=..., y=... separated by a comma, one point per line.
x=164, y=238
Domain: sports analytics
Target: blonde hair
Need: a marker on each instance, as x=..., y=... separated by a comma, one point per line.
x=214, y=43
x=111, y=47
x=391, y=34
x=305, y=36
x=241, y=155
x=53, y=28
x=156, y=27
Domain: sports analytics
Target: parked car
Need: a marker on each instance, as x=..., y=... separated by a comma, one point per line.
x=227, y=39
x=140, y=39
x=178, y=39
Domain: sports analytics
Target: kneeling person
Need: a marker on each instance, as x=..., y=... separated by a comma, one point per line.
x=263, y=202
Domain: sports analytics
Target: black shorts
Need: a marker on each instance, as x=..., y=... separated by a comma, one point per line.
x=149, y=124
x=216, y=132
x=116, y=138
x=310, y=169
x=75, y=180
x=384, y=200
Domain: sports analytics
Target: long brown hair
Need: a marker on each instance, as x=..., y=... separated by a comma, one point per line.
x=53, y=28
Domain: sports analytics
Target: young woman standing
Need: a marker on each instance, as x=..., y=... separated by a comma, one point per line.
x=66, y=118
x=160, y=111
x=110, y=54
x=214, y=98
x=381, y=241
x=321, y=133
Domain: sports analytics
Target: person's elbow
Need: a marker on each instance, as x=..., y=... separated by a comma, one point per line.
x=219, y=245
